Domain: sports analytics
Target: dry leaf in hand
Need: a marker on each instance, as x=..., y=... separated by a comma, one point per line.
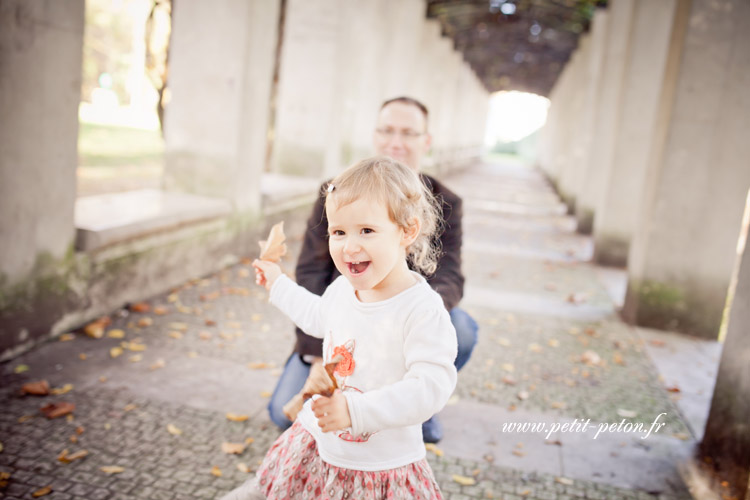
x=54, y=410
x=274, y=248
x=235, y=448
x=320, y=381
x=38, y=388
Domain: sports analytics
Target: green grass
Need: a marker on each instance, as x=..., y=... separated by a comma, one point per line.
x=112, y=146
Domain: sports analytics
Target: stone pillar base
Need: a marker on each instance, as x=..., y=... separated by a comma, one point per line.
x=694, y=309
x=611, y=250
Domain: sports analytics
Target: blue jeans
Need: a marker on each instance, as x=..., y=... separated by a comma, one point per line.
x=296, y=372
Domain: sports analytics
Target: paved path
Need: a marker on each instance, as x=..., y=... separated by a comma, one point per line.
x=552, y=354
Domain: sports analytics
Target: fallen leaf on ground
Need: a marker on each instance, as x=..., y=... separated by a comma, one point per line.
x=574, y=330
x=578, y=297
x=522, y=395
x=172, y=429
x=130, y=407
x=172, y=298
x=249, y=440
x=274, y=248
x=216, y=471
x=210, y=322
x=558, y=405
x=95, y=329
x=204, y=335
x=136, y=358
x=534, y=347
x=233, y=448
x=464, y=480
x=508, y=367
x=82, y=356
x=617, y=359
x=627, y=413
x=259, y=366
x=192, y=354
x=681, y=435
x=234, y=417
x=66, y=458
x=508, y=380
x=265, y=394
x=61, y=390
x=591, y=358
x=42, y=492
x=144, y=322
x=489, y=458
x=140, y=307
x=242, y=467
x=115, y=351
x=54, y=410
x=134, y=346
x=178, y=326
x=553, y=342
x=555, y=442
x=4, y=478
x=1, y=447
x=116, y=334
x=160, y=310
x=21, y=368
x=434, y=449
x=564, y=480
x=159, y=363
x=25, y=418
x=673, y=388
x=175, y=334
x=519, y=453
x=102, y=379
x=37, y=388
x=112, y=469
x=657, y=343
x=65, y=337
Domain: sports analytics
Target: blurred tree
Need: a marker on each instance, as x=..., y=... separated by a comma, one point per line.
x=158, y=30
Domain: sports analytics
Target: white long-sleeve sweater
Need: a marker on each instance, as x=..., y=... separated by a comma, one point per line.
x=403, y=349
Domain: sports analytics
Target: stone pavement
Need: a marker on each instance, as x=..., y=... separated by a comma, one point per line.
x=152, y=396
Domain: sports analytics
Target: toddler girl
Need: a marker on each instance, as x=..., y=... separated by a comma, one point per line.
x=392, y=334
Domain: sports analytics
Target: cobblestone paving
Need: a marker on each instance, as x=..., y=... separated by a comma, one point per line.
x=125, y=406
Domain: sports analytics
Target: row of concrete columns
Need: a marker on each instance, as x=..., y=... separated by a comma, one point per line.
x=339, y=60
x=647, y=142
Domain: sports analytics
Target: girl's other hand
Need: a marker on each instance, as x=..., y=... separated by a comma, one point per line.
x=266, y=273
x=332, y=413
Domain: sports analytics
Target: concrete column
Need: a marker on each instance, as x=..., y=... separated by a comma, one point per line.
x=607, y=110
x=647, y=91
x=217, y=120
x=589, y=133
x=681, y=257
x=727, y=437
x=41, y=45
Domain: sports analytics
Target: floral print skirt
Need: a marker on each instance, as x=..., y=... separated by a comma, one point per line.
x=292, y=468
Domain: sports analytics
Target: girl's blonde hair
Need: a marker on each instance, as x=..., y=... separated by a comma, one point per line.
x=405, y=196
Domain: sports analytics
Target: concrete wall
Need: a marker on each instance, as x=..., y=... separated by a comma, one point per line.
x=341, y=59
x=40, y=79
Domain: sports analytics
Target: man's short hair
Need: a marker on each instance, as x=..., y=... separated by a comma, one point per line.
x=411, y=101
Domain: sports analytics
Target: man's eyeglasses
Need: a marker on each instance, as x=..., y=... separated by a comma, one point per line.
x=406, y=135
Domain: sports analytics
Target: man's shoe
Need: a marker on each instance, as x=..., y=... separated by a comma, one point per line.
x=432, y=430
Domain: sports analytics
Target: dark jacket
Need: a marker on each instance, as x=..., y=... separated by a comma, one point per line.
x=315, y=269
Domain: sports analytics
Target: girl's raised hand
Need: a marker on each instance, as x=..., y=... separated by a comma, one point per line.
x=332, y=413
x=266, y=273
